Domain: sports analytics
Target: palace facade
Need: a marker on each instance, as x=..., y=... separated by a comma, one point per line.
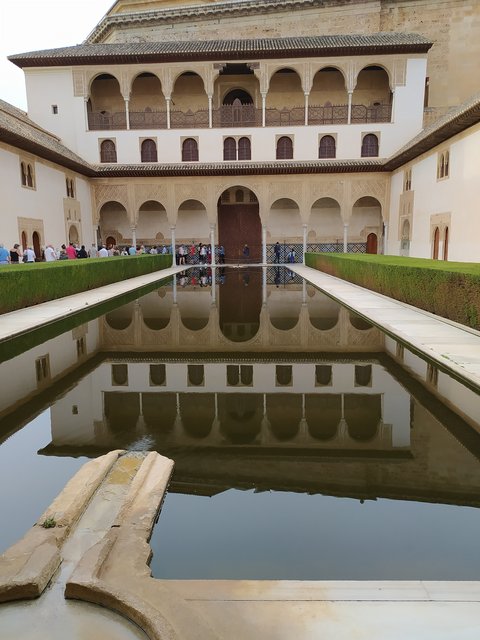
x=327, y=126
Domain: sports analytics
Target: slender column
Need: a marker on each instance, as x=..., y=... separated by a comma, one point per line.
x=349, y=117
x=172, y=231
x=264, y=286
x=174, y=290
x=264, y=108
x=85, y=102
x=392, y=118
x=210, y=114
x=304, y=291
x=264, y=244
x=167, y=100
x=212, y=243
x=127, y=114
x=214, y=287
x=345, y=238
x=385, y=239
x=134, y=237
x=304, y=241
x=306, y=108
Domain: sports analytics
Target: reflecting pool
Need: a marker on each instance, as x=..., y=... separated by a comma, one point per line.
x=307, y=444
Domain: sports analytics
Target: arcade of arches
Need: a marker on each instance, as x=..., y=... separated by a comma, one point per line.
x=313, y=212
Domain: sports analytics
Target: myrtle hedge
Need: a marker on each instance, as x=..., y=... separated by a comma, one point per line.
x=448, y=289
x=24, y=285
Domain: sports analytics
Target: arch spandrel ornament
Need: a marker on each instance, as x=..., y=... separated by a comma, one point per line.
x=110, y=193
x=333, y=189
x=145, y=192
x=376, y=188
x=192, y=191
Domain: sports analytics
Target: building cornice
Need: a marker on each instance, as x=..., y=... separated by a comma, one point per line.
x=223, y=50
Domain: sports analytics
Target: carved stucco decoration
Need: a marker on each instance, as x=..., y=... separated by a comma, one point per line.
x=110, y=193
x=376, y=188
x=152, y=191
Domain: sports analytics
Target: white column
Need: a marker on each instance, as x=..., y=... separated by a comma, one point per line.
x=385, y=238
x=345, y=238
x=264, y=244
x=172, y=231
x=85, y=102
x=174, y=290
x=392, y=119
x=264, y=286
x=134, y=236
x=127, y=115
x=212, y=242
x=214, y=288
x=304, y=241
x=210, y=114
x=349, y=117
x=264, y=107
x=306, y=108
x=167, y=100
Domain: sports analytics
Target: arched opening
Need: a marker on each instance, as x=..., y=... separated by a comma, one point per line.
x=192, y=222
x=328, y=103
x=327, y=147
x=194, y=310
x=159, y=412
x=244, y=149
x=240, y=305
x=372, y=97
x=284, y=148
x=405, y=240
x=323, y=311
x=114, y=223
x=237, y=95
x=360, y=323
x=229, y=149
x=323, y=414
x=234, y=97
x=24, y=240
x=240, y=416
x=285, y=99
x=148, y=151
x=284, y=413
x=436, y=243
x=197, y=411
x=73, y=235
x=372, y=243
x=121, y=318
x=369, y=146
x=445, y=244
x=284, y=313
x=106, y=110
x=36, y=245
x=152, y=223
x=23, y=172
x=30, y=182
x=156, y=311
x=122, y=411
x=110, y=241
x=147, y=106
x=362, y=414
x=189, y=102
x=108, y=151
x=190, y=150
x=366, y=223
x=325, y=228
x=285, y=226
x=239, y=225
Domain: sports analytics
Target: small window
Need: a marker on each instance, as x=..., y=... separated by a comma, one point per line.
x=283, y=375
x=190, y=150
x=148, y=151
x=119, y=375
x=363, y=375
x=432, y=375
x=108, y=151
x=246, y=375
x=70, y=187
x=30, y=176
x=158, y=376
x=284, y=148
x=23, y=171
x=370, y=146
x=323, y=375
x=42, y=369
x=81, y=347
x=54, y=109
x=400, y=351
x=244, y=149
x=327, y=147
x=233, y=375
x=239, y=195
x=407, y=180
x=229, y=149
x=196, y=375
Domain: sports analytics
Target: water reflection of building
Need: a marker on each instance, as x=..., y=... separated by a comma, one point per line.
x=247, y=315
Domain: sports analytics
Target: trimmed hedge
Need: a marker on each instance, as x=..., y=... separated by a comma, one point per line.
x=448, y=289
x=25, y=285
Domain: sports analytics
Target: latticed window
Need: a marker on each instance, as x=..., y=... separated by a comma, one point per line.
x=244, y=149
x=327, y=147
x=239, y=195
x=24, y=174
x=148, y=151
x=108, y=151
x=284, y=148
x=29, y=176
x=370, y=146
x=229, y=149
x=190, y=150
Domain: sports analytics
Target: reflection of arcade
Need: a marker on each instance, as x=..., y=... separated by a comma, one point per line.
x=240, y=305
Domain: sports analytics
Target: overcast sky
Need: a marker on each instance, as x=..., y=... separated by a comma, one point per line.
x=29, y=25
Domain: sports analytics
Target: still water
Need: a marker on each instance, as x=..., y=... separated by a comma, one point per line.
x=307, y=445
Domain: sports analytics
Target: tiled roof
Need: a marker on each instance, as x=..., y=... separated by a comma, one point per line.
x=127, y=53
x=454, y=121
x=18, y=130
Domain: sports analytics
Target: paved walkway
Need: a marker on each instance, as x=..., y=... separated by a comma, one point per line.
x=451, y=346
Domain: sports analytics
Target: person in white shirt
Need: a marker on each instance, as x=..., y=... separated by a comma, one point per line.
x=103, y=253
x=29, y=255
x=50, y=253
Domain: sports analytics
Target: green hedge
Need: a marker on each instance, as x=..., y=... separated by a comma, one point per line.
x=25, y=285
x=448, y=289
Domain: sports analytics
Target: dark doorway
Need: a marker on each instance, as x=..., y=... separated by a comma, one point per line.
x=36, y=245
x=239, y=225
x=372, y=243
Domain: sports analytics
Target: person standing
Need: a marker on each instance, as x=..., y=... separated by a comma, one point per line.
x=4, y=255
x=132, y=250
x=82, y=252
x=15, y=254
x=50, y=253
x=277, y=250
x=181, y=254
x=246, y=252
x=221, y=254
x=29, y=255
x=103, y=253
x=93, y=253
x=71, y=252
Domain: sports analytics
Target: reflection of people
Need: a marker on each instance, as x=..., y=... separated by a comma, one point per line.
x=221, y=254
x=291, y=255
x=246, y=251
x=276, y=250
x=277, y=277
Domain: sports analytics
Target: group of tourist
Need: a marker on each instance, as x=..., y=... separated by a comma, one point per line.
x=201, y=254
